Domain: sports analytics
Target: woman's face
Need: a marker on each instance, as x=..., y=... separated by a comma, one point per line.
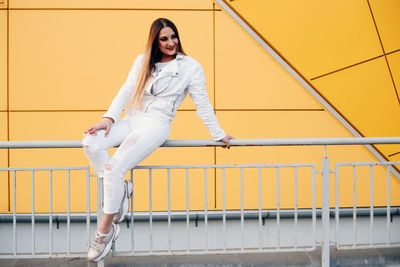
x=168, y=43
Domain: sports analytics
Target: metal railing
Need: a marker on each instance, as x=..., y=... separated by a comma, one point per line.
x=354, y=242
x=277, y=219
x=223, y=214
x=51, y=216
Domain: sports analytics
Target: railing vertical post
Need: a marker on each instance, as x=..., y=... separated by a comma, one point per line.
x=325, y=211
x=99, y=200
x=187, y=212
x=33, y=210
x=68, y=212
x=132, y=221
x=50, y=212
x=15, y=212
x=88, y=205
x=99, y=190
x=169, y=211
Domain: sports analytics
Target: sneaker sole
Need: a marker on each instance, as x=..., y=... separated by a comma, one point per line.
x=117, y=232
x=128, y=193
x=107, y=249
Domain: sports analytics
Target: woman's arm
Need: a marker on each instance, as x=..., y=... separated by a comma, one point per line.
x=205, y=111
x=120, y=101
x=125, y=94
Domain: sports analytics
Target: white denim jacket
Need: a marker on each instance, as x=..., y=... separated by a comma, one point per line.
x=166, y=91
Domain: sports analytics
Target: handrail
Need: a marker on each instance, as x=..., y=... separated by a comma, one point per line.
x=234, y=142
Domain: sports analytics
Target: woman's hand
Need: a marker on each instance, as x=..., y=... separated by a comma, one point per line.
x=226, y=141
x=105, y=124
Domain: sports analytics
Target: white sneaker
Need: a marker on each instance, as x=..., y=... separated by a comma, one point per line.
x=101, y=245
x=123, y=209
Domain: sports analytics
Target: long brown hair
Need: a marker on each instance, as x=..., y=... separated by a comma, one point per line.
x=152, y=55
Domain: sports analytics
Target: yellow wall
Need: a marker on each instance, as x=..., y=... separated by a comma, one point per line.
x=68, y=59
x=348, y=50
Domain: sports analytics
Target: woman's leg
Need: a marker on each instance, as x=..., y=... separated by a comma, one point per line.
x=95, y=147
x=146, y=136
x=143, y=139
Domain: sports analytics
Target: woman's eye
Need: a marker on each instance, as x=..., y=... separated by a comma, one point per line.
x=173, y=36
x=163, y=39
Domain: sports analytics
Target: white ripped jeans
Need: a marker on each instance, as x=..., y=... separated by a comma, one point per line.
x=137, y=136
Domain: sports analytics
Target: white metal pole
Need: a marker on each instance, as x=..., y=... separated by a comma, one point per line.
x=325, y=212
x=99, y=200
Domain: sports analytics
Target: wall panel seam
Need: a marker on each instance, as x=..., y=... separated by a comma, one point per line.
x=376, y=27
x=347, y=67
x=383, y=49
x=214, y=104
x=394, y=154
x=57, y=110
x=391, y=77
x=8, y=104
x=394, y=51
x=277, y=109
x=116, y=9
x=214, y=51
x=72, y=110
x=216, y=109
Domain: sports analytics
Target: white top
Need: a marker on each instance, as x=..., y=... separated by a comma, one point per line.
x=160, y=66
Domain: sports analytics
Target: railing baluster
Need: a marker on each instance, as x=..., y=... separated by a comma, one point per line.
x=337, y=233
x=151, y=209
x=278, y=235
x=99, y=191
x=68, y=214
x=205, y=211
x=169, y=210
x=14, y=214
x=51, y=212
x=132, y=220
x=187, y=211
x=371, y=208
x=241, y=210
x=388, y=206
x=224, y=206
x=295, y=207
x=33, y=210
x=260, y=237
x=314, y=209
x=88, y=205
x=354, y=206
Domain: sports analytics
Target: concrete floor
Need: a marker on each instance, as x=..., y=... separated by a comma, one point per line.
x=362, y=257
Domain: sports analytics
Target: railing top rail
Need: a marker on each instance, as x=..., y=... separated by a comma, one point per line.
x=211, y=143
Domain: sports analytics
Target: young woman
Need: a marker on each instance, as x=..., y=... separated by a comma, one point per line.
x=156, y=85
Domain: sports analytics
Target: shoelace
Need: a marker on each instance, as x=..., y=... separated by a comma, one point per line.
x=96, y=242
